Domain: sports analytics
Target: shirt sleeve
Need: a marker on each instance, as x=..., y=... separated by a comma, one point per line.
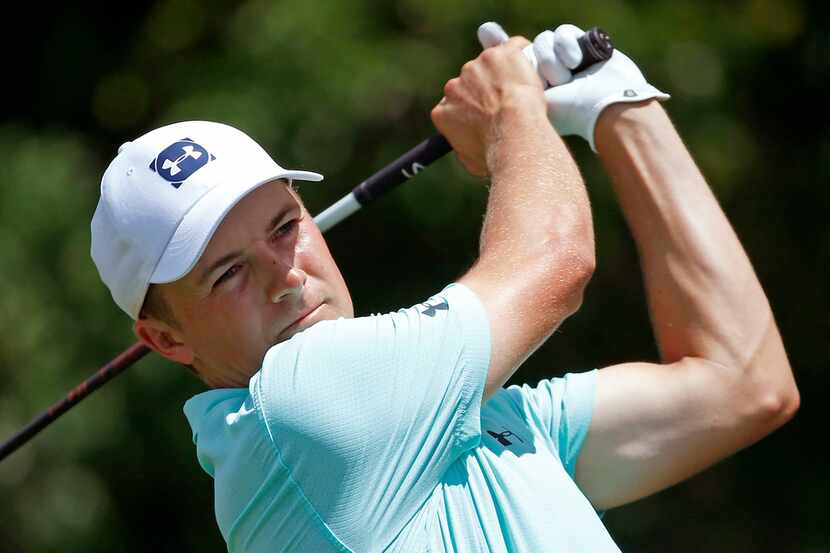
x=368, y=413
x=562, y=408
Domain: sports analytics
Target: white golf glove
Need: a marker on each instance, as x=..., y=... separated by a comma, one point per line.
x=576, y=101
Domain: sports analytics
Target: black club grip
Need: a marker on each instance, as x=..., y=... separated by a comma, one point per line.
x=596, y=47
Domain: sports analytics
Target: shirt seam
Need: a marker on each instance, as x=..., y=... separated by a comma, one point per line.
x=590, y=375
x=308, y=506
x=471, y=356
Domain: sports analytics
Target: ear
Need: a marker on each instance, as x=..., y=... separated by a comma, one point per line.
x=164, y=340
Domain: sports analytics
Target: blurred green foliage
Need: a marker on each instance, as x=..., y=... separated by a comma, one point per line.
x=343, y=88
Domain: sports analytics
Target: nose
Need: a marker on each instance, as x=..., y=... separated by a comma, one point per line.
x=290, y=285
x=279, y=277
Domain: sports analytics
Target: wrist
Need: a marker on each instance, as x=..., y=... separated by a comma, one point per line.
x=520, y=120
x=619, y=119
x=522, y=99
x=518, y=136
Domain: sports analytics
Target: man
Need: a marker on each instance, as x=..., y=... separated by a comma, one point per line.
x=325, y=432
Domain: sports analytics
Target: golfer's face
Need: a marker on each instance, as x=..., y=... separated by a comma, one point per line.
x=265, y=275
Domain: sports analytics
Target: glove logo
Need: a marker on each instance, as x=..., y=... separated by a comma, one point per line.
x=629, y=93
x=177, y=162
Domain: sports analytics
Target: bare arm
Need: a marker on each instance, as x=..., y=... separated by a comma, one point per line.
x=723, y=381
x=536, y=250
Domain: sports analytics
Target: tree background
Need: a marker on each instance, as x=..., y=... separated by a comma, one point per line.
x=343, y=88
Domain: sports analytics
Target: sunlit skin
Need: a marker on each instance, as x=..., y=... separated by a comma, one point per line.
x=265, y=275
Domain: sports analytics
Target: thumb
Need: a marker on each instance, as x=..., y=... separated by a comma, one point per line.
x=550, y=68
x=491, y=34
x=566, y=44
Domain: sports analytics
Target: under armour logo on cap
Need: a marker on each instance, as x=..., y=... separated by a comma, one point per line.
x=180, y=160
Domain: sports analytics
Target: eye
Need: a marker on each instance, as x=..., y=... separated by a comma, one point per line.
x=232, y=270
x=285, y=229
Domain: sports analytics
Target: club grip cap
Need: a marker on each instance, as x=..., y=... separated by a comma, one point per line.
x=596, y=47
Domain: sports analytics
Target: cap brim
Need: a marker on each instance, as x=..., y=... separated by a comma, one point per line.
x=197, y=227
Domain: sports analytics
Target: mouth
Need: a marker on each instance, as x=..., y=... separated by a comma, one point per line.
x=305, y=319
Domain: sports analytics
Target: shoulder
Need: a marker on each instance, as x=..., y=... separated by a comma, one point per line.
x=220, y=420
x=450, y=319
x=211, y=404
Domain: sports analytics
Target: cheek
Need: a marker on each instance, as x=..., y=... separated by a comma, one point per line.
x=312, y=255
x=227, y=319
x=317, y=261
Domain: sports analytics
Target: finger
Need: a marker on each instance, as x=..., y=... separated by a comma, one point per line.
x=550, y=68
x=517, y=42
x=566, y=45
x=491, y=34
x=451, y=88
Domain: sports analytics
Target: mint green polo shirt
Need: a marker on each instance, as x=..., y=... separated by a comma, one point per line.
x=368, y=435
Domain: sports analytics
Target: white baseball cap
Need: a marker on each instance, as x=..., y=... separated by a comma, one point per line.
x=163, y=197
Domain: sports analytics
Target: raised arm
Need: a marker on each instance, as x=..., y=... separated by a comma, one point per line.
x=723, y=380
x=537, y=249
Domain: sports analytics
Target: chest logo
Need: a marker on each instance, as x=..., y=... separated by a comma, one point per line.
x=432, y=309
x=502, y=437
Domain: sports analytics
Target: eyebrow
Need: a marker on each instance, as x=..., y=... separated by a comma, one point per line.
x=275, y=221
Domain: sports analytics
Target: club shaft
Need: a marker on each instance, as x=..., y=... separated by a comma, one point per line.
x=79, y=392
x=596, y=47
x=369, y=190
x=397, y=172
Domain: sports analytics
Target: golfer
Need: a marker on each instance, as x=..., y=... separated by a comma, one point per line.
x=329, y=433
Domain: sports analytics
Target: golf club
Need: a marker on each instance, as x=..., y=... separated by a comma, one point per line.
x=595, y=45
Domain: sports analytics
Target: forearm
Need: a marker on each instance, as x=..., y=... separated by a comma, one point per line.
x=537, y=245
x=537, y=205
x=704, y=297
x=537, y=249
x=723, y=380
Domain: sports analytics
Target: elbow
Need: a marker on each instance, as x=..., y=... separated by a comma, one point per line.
x=585, y=263
x=585, y=258
x=573, y=252
x=777, y=406
x=574, y=272
x=784, y=405
x=584, y=271
x=555, y=271
x=767, y=384
x=556, y=280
